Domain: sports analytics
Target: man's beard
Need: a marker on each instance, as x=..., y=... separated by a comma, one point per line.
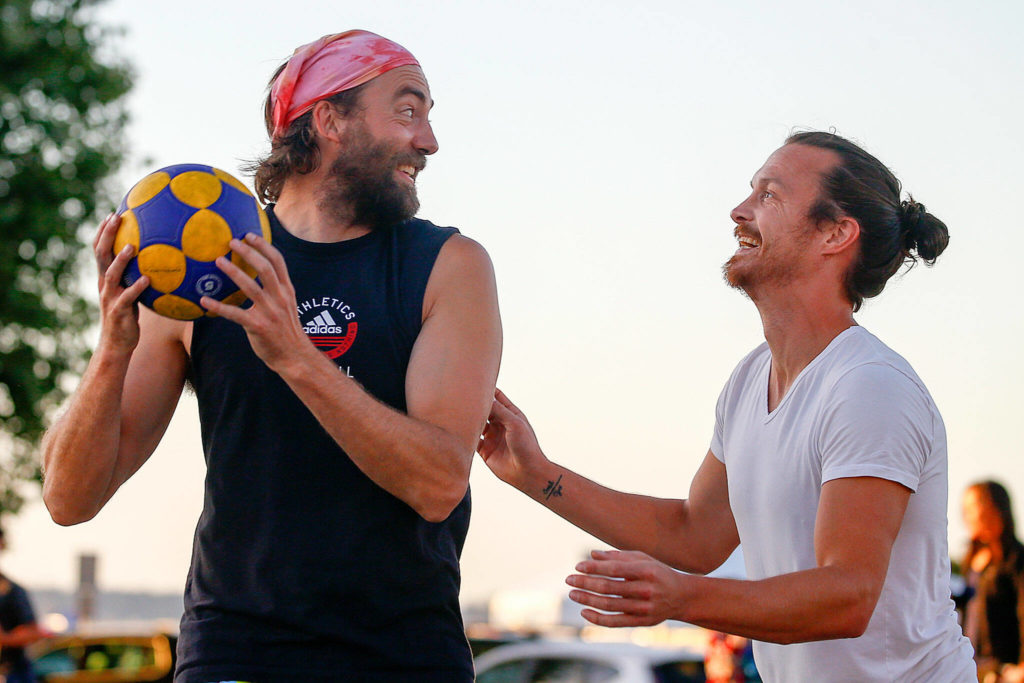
x=770, y=267
x=361, y=185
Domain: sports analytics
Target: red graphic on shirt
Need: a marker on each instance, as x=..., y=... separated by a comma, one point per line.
x=335, y=345
x=330, y=336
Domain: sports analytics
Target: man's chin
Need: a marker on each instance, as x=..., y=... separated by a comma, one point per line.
x=733, y=274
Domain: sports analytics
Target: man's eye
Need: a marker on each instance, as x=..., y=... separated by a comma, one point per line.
x=408, y=112
x=767, y=194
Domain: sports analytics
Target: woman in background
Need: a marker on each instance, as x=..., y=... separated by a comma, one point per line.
x=994, y=568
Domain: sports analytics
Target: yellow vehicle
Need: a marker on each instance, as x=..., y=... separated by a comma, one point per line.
x=105, y=658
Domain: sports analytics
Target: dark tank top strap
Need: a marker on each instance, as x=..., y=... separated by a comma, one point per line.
x=414, y=246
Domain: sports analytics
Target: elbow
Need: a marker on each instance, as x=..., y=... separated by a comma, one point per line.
x=439, y=501
x=441, y=506
x=852, y=621
x=65, y=516
x=855, y=623
x=64, y=510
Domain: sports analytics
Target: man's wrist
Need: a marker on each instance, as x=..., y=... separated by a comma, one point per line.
x=110, y=355
x=544, y=482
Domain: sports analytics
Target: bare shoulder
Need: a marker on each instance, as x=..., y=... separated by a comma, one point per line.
x=462, y=271
x=463, y=253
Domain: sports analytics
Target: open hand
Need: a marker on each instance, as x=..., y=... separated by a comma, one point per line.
x=629, y=588
x=271, y=322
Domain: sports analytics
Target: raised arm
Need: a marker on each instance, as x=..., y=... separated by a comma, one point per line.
x=422, y=457
x=695, y=535
x=857, y=523
x=124, y=402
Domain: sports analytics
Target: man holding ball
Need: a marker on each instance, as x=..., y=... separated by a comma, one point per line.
x=828, y=460
x=339, y=411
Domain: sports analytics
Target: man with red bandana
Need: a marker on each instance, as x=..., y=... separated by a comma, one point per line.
x=339, y=410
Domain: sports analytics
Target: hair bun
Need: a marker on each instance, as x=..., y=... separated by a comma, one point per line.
x=910, y=218
x=922, y=232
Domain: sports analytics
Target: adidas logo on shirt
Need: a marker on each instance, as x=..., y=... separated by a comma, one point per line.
x=323, y=324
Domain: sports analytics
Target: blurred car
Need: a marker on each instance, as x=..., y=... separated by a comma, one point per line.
x=547, y=661
x=124, y=656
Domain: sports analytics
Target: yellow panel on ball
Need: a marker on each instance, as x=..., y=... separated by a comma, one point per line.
x=196, y=188
x=265, y=225
x=165, y=266
x=147, y=188
x=231, y=180
x=127, y=232
x=205, y=236
x=176, y=307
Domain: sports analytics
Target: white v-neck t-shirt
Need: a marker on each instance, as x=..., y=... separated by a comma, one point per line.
x=857, y=410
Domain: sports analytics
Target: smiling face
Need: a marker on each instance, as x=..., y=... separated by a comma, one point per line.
x=383, y=149
x=772, y=224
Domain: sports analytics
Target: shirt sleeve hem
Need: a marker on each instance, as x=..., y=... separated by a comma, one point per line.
x=879, y=471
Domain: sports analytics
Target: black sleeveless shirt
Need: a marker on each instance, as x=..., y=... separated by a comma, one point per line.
x=303, y=568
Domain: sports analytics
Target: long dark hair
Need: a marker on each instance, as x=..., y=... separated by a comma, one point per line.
x=999, y=497
x=892, y=232
x=296, y=151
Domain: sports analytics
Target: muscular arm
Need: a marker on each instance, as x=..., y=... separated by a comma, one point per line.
x=123, y=404
x=695, y=535
x=422, y=457
x=857, y=523
x=114, y=421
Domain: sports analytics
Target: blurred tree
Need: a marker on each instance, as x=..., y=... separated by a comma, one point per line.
x=61, y=118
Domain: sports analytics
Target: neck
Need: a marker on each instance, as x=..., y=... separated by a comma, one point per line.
x=798, y=324
x=298, y=208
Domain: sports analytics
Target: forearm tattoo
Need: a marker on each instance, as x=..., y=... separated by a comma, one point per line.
x=554, y=488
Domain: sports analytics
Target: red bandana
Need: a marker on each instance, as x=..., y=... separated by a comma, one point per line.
x=328, y=66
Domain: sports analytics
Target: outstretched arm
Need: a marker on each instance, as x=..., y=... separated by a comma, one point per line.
x=857, y=523
x=422, y=457
x=124, y=402
x=695, y=535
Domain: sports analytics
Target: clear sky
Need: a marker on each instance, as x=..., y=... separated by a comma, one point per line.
x=595, y=149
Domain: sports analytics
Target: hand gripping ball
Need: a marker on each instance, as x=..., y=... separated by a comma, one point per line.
x=180, y=219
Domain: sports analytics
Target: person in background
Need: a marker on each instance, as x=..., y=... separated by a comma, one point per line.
x=994, y=570
x=18, y=629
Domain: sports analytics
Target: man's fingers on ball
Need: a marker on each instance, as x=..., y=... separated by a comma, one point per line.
x=239, y=277
x=260, y=259
x=226, y=311
x=115, y=269
x=105, y=233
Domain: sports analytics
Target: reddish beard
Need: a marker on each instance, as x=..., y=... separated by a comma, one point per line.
x=767, y=265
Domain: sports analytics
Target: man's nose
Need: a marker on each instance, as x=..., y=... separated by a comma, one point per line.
x=425, y=141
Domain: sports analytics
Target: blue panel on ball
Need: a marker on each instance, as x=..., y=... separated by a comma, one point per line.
x=239, y=209
x=162, y=219
x=178, y=169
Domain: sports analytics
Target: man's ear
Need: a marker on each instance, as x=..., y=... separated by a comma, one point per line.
x=328, y=123
x=841, y=235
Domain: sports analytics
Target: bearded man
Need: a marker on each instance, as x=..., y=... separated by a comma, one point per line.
x=828, y=460
x=339, y=411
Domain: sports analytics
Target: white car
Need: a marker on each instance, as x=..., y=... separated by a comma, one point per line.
x=549, y=661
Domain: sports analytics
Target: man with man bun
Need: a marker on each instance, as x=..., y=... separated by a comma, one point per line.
x=339, y=410
x=828, y=460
